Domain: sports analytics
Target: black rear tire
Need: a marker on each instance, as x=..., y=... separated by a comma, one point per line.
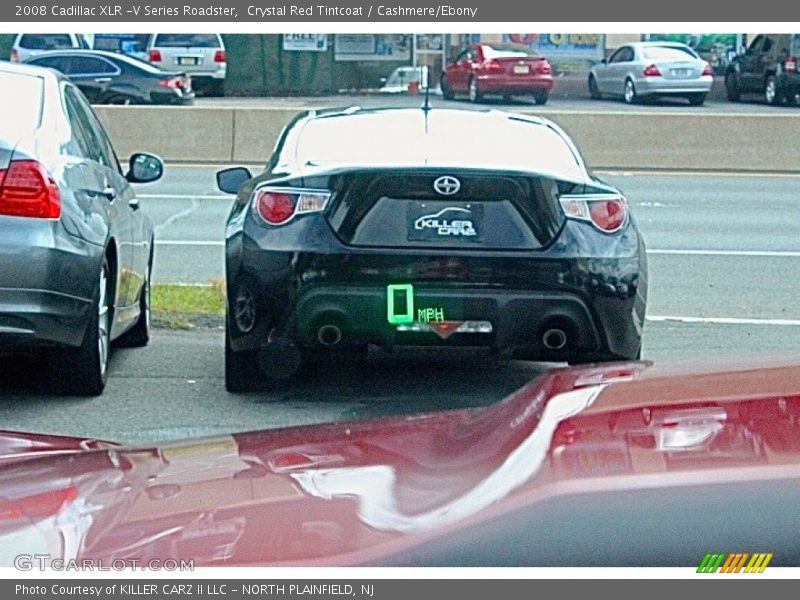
x=541, y=97
x=697, y=99
x=83, y=371
x=732, y=90
x=594, y=91
x=241, y=369
x=447, y=92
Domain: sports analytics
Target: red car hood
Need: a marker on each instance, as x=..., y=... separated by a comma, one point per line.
x=614, y=450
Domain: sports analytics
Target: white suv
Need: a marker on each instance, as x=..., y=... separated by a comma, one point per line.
x=28, y=45
x=201, y=55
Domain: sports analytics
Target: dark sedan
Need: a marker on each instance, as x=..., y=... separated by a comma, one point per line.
x=397, y=227
x=75, y=250
x=111, y=78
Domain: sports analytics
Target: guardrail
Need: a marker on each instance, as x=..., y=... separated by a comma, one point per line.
x=609, y=140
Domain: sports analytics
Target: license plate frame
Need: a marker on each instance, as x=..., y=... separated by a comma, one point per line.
x=522, y=70
x=188, y=61
x=444, y=222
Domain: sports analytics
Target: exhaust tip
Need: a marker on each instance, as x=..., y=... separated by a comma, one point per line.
x=329, y=335
x=554, y=339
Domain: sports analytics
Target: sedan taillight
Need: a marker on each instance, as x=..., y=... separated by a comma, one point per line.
x=277, y=206
x=790, y=65
x=708, y=71
x=652, y=71
x=172, y=82
x=491, y=66
x=154, y=55
x=544, y=68
x=608, y=213
x=14, y=55
x=28, y=190
x=219, y=56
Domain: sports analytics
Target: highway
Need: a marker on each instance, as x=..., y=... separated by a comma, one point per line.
x=724, y=259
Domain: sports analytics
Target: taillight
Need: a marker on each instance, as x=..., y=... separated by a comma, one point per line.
x=154, y=55
x=545, y=68
x=652, y=71
x=28, y=190
x=220, y=57
x=492, y=66
x=608, y=213
x=173, y=82
x=790, y=66
x=38, y=506
x=708, y=71
x=14, y=55
x=277, y=206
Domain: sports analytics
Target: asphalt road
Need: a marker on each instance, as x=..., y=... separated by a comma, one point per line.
x=724, y=262
x=523, y=104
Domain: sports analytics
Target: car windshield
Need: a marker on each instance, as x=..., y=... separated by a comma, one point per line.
x=46, y=41
x=20, y=112
x=448, y=140
x=187, y=40
x=668, y=53
x=508, y=51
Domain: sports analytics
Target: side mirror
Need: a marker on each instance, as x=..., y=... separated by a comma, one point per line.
x=383, y=80
x=144, y=168
x=230, y=180
x=603, y=61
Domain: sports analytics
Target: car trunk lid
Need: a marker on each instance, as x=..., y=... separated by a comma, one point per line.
x=445, y=208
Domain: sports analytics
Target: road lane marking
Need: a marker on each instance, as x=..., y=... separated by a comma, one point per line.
x=723, y=320
x=769, y=253
x=183, y=197
x=706, y=173
x=190, y=243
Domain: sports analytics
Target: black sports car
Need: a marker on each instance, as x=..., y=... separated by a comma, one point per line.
x=427, y=227
x=113, y=78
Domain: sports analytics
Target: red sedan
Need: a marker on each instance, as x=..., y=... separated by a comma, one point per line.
x=505, y=69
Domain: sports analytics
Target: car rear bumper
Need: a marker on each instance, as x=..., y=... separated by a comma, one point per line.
x=599, y=302
x=520, y=85
x=661, y=85
x=47, y=280
x=41, y=317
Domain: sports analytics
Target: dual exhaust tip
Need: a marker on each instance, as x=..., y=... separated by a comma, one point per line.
x=329, y=335
x=553, y=338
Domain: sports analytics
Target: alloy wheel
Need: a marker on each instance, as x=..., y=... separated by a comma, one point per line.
x=103, y=329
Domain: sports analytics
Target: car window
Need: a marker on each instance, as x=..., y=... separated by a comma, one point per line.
x=79, y=133
x=795, y=44
x=45, y=41
x=473, y=54
x=90, y=65
x=755, y=46
x=22, y=110
x=768, y=44
x=668, y=53
x=624, y=54
x=99, y=149
x=508, y=51
x=187, y=40
x=59, y=63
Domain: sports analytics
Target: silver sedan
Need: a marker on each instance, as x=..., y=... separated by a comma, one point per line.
x=649, y=69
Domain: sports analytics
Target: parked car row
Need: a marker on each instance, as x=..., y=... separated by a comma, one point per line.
x=426, y=243
x=176, y=65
